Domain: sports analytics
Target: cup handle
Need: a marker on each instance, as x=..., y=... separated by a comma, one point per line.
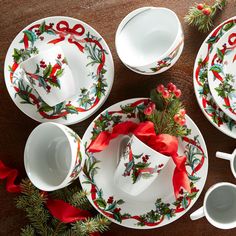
x=199, y=213
x=123, y=142
x=24, y=76
x=224, y=156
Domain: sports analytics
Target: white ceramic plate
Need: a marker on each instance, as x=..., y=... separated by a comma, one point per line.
x=222, y=73
x=88, y=56
x=155, y=207
x=200, y=79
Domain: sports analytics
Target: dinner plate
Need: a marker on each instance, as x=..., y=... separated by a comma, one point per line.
x=201, y=86
x=222, y=73
x=88, y=56
x=157, y=205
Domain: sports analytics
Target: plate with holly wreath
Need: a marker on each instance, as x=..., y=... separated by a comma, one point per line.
x=222, y=73
x=207, y=103
x=87, y=54
x=157, y=205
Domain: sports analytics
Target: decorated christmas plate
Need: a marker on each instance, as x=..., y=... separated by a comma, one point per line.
x=200, y=78
x=222, y=73
x=88, y=57
x=157, y=205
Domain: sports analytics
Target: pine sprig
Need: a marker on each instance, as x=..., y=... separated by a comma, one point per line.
x=201, y=15
x=91, y=225
x=42, y=223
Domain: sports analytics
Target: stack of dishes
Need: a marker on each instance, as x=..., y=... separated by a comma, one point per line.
x=214, y=77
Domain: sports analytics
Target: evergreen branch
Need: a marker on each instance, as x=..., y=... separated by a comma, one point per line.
x=28, y=230
x=202, y=15
x=97, y=224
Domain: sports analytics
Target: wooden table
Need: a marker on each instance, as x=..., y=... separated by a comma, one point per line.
x=104, y=16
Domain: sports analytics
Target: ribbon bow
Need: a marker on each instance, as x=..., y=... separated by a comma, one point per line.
x=163, y=143
x=64, y=29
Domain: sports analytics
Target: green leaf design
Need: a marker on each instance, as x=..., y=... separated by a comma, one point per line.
x=37, y=69
x=42, y=27
x=228, y=26
x=16, y=55
x=117, y=217
x=220, y=54
x=184, y=202
x=51, y=32
x=71, y=109
x=194, y=178
x=101, y=202
x=111, y=207
x=120, y=202
x=30, y=35
x=212, y=39
x=45, y=108
x=217, y=68
x=47, y=71
x=59, y=73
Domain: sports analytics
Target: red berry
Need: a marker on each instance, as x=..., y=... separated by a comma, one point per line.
x=181, y=191
x=160, y=88
x=200, y=6
x=152, y=105
x=165, y=94
x=171, y=87
x=59, y=56
x=177, y=118
x=110, y=200
x=206, y=11
x=148, y=110
x=182, y=112
x=177, y=93
x=182, y=122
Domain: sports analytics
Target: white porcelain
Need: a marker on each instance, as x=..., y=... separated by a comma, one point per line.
x=149, y=40
x=222, y=73
x=138, y=165
x=200, y=80
x=219, y=206
x=229, y=157
x=127, y=210
x=53, y=157
x=52, y=80
x=88, y=56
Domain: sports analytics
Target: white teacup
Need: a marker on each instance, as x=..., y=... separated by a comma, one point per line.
x=219, y=206
x=149, y=40
x=229, y=157
x=138, y=165
x=49, y=74
x=53, y=157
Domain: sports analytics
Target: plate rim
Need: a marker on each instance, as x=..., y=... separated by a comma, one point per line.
x=96, y=108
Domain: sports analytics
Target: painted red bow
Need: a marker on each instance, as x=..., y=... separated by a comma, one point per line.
x=64, y=29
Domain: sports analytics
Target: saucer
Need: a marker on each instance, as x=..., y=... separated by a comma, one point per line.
x=88, y=56
x=222, y=73
x=201, y=86
x=157, y=206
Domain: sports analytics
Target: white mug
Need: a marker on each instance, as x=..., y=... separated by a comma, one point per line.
x=53, y=157
x=149, y=40
x=229, y=157
x=138, y=165
x=49, y=74
x=219, y=206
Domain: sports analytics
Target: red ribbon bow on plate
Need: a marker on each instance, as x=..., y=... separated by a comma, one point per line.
x=64, y=29
x=163, y=143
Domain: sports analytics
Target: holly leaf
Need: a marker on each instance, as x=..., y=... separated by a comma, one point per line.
x=45, y=108
x=184, y=203
x=50, y=31
x=120, y=202
x=47, y=71
x=16, y=55
x=228, y=26
x=101, y=202
x=37, y=69
x=54, y=84
x=58, y=108
x=59, y=72
x=42, y=27
x=117, y=216
x=111, y=207
x=71, y=109
x=212, y=39
x=30, y=35
x=192, y=195
x=194, y=178
x=154, y=69
x=220, y=54
x=217, y=68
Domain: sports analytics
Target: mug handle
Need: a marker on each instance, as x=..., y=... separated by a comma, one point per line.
x=223, y=155
x=122, y=145
x=199, y=213
x=24, y=76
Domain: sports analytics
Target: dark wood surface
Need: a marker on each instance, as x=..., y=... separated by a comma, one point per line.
x=104, y=16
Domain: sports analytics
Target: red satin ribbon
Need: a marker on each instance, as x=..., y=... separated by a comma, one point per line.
x=58, y=208
x=163, y=143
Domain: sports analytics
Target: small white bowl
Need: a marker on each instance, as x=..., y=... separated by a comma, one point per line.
x=149, y=40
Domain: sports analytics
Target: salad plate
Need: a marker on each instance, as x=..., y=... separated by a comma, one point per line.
x=200, y=80
x=222, y=72
x=87, y=54
x=157, y=205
